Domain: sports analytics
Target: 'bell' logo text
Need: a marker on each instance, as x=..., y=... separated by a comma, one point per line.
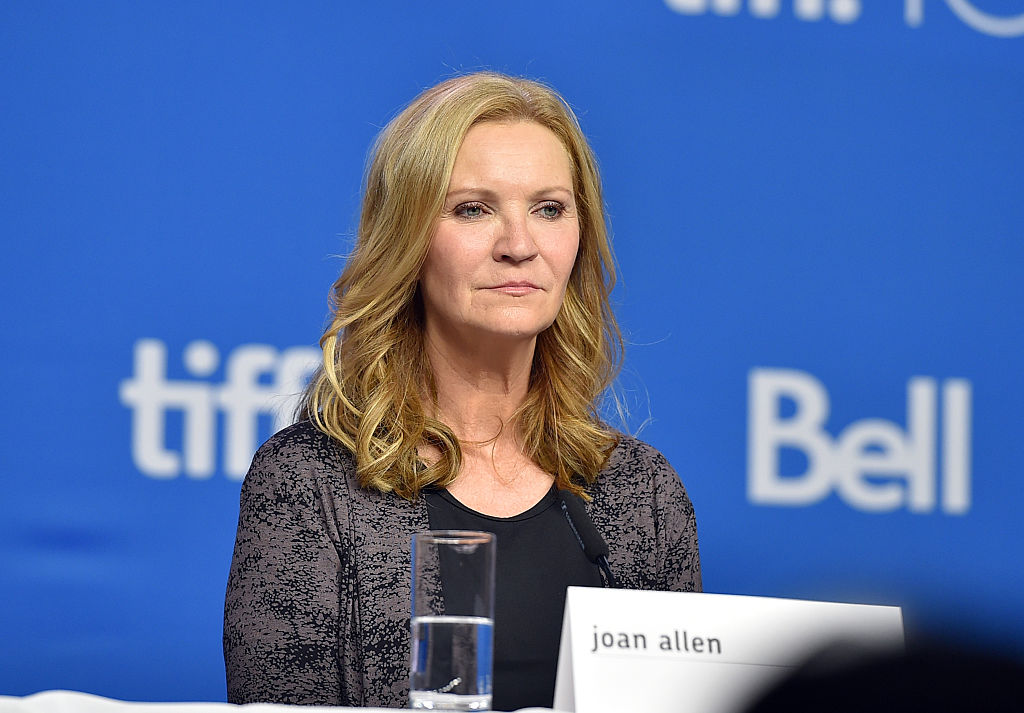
x=873, y=464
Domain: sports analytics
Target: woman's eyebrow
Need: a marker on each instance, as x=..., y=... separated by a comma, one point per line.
x=473, y=191
x=548, y=190
x=489, y=194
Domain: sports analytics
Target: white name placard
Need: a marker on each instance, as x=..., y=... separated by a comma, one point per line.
x=681, y=652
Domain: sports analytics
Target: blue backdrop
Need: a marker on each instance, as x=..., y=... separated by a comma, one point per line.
x=817, y=210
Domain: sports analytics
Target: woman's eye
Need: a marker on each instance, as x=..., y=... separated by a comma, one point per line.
x=470, y=210
x=551, y=210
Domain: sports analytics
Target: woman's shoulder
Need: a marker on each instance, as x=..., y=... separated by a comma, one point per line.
x=637, y=462
x=303, y=440
x=300, y=450
x=641, y=506
x=636, y=470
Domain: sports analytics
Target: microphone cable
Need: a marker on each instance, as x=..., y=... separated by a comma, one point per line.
x=594, y=547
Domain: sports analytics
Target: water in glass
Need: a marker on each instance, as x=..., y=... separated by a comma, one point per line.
x=451, y=663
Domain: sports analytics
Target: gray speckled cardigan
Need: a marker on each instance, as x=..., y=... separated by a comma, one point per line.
x=317, y=607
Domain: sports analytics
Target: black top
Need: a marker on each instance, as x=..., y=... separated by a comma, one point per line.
x=538, y=557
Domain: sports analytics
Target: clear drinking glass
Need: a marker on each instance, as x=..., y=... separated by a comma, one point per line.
x=452, y=620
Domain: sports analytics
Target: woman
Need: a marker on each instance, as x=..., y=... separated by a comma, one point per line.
x=471, y=339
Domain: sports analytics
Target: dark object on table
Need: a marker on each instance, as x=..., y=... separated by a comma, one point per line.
x=933, y=678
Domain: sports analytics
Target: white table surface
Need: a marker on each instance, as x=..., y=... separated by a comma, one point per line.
x=75, y=702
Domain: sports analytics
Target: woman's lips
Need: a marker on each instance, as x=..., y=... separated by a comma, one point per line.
x=516, y=288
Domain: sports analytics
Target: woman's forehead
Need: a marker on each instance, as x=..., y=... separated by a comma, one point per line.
x=515, y=152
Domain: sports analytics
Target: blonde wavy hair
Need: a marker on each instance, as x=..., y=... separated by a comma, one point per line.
x=375, y=391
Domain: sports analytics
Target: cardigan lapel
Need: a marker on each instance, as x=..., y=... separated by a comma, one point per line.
x=382, y=525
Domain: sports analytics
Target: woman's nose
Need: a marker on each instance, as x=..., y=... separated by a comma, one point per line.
x=515, y=242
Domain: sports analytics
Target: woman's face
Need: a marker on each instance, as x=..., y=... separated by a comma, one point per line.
x=506, y=240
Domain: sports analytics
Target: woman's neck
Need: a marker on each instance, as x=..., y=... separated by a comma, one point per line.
x=479, y=390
